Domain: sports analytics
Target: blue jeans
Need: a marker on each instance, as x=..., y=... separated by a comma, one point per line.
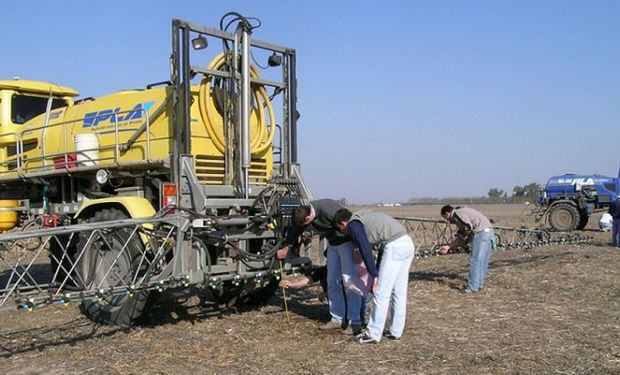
x=341, y=269
x=615, y=233
x=479, y=259
x=392, y=286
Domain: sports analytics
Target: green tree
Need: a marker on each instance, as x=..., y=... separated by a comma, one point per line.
x=518, y=191
x=495, y=193
x=532, y=191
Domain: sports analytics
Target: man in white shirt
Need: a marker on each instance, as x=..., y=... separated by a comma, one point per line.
x=606, y=222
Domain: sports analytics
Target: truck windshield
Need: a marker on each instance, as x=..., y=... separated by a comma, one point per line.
x=24, y=107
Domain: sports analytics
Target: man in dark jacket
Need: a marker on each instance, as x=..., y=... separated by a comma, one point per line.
x=614, y=211
x=342, y=271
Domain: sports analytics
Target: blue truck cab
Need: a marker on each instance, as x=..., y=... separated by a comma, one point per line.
x=568, y=200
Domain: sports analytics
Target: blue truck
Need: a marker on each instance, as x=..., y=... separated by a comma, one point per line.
x=567, y=201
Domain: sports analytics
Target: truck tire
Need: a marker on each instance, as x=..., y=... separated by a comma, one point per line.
x=92, y=268
x=563, y=217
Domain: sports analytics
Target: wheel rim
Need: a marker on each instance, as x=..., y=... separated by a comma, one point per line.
x=562, y=219
x=113, y=271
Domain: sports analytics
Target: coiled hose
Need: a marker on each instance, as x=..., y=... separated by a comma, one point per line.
x=214, y=122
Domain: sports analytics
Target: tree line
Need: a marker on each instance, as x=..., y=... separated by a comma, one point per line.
x=520, y=194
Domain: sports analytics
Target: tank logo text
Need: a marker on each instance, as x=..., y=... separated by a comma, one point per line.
x=116, y=115
x=576, y=181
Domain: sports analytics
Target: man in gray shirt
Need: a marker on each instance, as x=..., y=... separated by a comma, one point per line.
x=475, y=226
x=376, y=229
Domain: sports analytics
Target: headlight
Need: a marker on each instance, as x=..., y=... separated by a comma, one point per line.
x=102, y=176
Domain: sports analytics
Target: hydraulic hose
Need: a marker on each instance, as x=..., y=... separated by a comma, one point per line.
x=213, y=121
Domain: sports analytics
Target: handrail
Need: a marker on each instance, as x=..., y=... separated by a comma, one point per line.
x=21, y=160
x=145, y=126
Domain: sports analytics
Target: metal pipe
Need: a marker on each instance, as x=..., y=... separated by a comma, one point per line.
x=228, y=36
x=286, y=126
x=185, y=129
x=117, y=152
x=233, y=116
x=48, y=108
x=176, y=115
x=293, y=106
x=246, y=108
x=145, y=126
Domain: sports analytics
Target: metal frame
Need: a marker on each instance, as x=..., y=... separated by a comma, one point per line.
x=431, y=234
x=182, y=72
x=20, y=284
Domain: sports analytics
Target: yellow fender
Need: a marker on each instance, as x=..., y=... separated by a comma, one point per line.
x=136, y=207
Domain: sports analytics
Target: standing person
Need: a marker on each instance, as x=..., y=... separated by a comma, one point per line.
x=396, y=251
x=614, y=211
x=344, y=303
x=471, y=224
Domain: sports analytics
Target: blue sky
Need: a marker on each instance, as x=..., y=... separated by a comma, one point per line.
x=398, y=99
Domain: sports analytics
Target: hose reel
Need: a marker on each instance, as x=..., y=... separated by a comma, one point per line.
x=212, y=109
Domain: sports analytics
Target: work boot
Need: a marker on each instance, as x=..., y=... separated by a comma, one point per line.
x=331, y=325
x=469, y=291
x=365, y=339
x=353, y=329
x=390, y=336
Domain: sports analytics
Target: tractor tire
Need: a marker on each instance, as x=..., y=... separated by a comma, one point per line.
x=583, y=221
x=563, y=217
x=98, y=259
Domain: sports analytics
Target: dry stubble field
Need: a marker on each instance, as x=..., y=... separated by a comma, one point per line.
x=550, y=310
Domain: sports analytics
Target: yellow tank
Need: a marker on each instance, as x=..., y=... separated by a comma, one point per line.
x=96, y=131
x=8, y=219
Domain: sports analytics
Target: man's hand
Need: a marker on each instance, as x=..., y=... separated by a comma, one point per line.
x=444, y=249
x=297, y=283
x=282, y=253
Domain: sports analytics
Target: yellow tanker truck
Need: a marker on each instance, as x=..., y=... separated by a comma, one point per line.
x=47, y=137
x=189, y=181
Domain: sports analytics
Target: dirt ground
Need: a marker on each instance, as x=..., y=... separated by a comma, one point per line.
x=550, y=310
